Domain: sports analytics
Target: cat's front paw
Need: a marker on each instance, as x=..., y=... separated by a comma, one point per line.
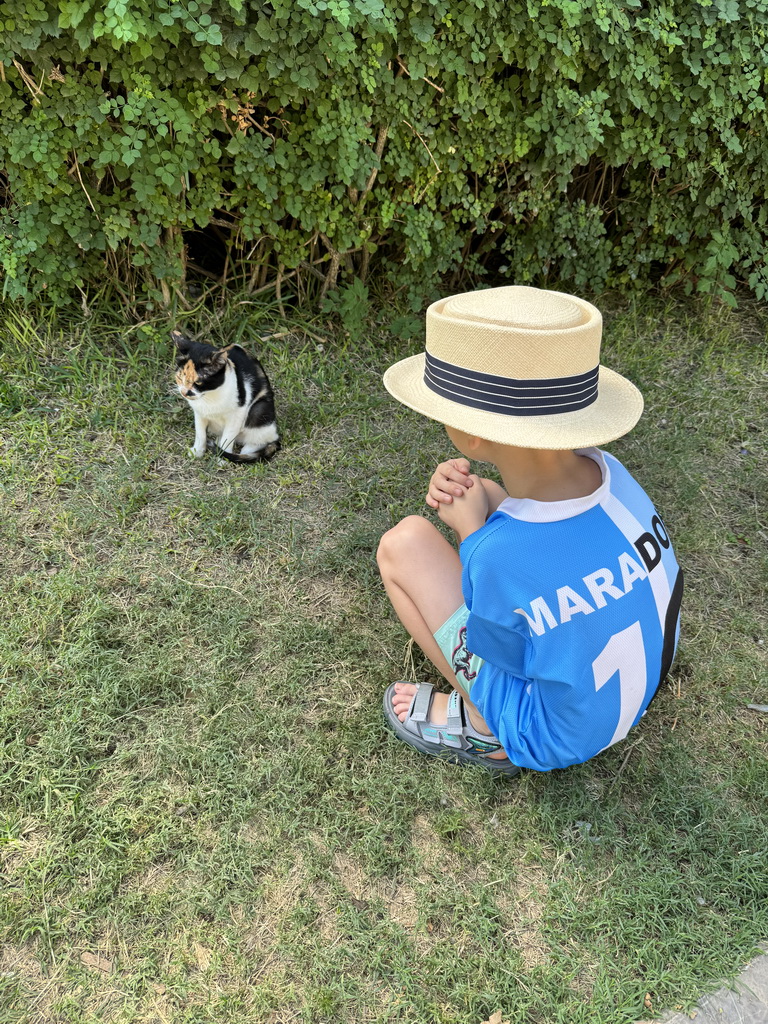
x=197, y=450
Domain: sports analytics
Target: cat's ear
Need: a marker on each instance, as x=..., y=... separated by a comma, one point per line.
x=220, y=356
x=181, y=341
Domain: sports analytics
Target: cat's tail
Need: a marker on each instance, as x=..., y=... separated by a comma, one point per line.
x=262, y=455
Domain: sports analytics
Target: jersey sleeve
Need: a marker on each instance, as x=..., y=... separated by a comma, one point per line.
x=492, y=633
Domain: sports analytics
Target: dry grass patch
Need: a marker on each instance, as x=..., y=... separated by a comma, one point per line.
x=279, y=895
x=521, y=907
x=29, y=844
x=398, y=899
x=434, y=856
x=36, y=990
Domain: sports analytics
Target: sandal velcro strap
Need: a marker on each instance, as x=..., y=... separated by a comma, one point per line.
x=456, y=722
x=421, y=703
x=450, y=734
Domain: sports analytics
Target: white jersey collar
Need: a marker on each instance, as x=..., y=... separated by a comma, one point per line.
x=532, y=511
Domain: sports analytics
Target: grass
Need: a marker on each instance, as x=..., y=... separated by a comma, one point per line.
x=202, y=817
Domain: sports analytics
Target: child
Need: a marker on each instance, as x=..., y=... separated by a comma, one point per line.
x=558, y=618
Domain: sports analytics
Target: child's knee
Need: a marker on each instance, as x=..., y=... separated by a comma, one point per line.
x=400, y=540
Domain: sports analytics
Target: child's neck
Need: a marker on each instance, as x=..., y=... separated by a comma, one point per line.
x=546, y=475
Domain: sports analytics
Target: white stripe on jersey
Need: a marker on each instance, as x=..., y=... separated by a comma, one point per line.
x=622, y=518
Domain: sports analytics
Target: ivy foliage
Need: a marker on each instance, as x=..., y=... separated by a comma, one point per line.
x=594, y=144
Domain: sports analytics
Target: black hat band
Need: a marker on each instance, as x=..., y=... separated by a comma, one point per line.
x=507, y=395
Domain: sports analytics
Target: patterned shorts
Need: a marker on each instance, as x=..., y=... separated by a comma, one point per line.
x=452, y=640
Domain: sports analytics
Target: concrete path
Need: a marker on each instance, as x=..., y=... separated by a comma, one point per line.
x=746, y=1002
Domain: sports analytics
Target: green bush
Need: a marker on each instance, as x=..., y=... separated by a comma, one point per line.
x=592, y=144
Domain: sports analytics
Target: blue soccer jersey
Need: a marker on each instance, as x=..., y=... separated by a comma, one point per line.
x=574, y=605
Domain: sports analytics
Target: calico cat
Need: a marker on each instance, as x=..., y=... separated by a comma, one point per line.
x=231, y=396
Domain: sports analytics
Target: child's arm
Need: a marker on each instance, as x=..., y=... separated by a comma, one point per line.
x=494, y=492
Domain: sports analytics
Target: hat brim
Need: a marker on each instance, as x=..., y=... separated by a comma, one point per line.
x=616, y=410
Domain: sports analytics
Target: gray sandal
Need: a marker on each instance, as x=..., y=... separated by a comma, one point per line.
x=456, y=741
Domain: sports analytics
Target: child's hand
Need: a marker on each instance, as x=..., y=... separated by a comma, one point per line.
x=450, y=479
x=468, y=512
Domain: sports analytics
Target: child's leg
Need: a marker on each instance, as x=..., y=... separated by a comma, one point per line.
x=422, y=576
x=421, y=572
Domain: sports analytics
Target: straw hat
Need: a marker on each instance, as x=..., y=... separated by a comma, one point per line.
x=520, y=366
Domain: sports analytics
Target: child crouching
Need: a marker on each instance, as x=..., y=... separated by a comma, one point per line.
x=557, y=619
